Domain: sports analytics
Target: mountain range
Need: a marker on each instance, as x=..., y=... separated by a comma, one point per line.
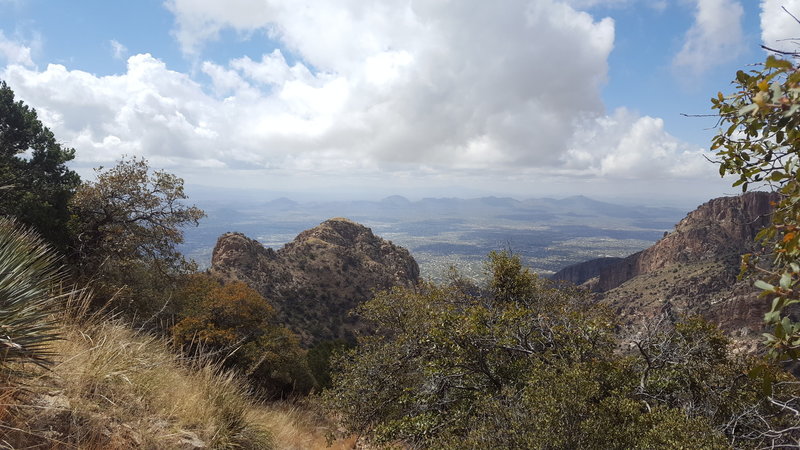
x=316, y=279
x=546, y=233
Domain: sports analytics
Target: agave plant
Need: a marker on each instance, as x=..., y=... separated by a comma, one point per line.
x=28, y=272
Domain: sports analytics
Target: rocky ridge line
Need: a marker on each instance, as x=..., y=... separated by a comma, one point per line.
x=318, y=278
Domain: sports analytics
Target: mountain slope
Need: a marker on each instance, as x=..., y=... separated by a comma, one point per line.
x=692, y=270
x=315, y=280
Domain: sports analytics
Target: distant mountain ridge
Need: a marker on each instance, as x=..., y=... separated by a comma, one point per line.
x=315, y=280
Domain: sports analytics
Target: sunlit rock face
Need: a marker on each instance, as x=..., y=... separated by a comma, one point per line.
x=691, y=270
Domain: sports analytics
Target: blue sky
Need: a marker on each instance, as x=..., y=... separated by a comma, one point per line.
x=419, y=98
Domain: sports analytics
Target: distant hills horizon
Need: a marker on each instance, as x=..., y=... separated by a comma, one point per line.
x=205, y=193
x=548, y=233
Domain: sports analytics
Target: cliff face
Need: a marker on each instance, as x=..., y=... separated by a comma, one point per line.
x=692, y=270
x=315, y=280
x=585, y=271
x=719, y=229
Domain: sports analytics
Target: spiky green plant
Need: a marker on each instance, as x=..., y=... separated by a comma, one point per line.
x=28, y=272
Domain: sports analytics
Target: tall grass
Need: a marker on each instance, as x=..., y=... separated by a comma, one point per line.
x=111, y=387
x=299, y=427
x=71, y=378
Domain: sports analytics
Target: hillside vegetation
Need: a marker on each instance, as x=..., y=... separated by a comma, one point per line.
x=111, y=338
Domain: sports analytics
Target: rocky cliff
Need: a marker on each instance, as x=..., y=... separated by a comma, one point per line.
x=582, y=272
x=318, y=278
x=692, y=270
x=719, y=229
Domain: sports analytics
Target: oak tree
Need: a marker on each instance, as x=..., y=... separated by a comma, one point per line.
x=126, y=226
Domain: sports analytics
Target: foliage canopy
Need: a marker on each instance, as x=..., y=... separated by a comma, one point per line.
x=35, y=183
x=525, y=363
x=237, y=325
x=759, y=142
x=126, y=227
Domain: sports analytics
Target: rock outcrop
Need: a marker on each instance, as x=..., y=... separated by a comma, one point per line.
x=318, y=278
x=582, y=272
x=692, y=270
x=721, y=228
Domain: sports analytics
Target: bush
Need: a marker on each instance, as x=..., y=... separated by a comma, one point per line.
x=236, y=325
x=525, y=363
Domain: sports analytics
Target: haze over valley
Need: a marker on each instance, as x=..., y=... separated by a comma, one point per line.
x=547, y=233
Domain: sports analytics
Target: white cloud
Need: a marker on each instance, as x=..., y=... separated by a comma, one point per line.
x=624, y=145
x=434, y=87
x=118, y=50
x=658, y=5
x=201, y=20
x=715, y=37
x=441, y=83
x=583, y=4
x=779, y=30
x=14, y=52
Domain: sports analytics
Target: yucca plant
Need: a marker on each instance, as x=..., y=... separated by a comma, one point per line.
x=29, y=270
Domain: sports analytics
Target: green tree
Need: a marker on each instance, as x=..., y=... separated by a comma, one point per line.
x=526, y=363
x=126, y=226
x=35, y=183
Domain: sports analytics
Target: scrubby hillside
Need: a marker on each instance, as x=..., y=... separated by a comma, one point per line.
x=319, y=277
x=692, y=270
x=111, y=387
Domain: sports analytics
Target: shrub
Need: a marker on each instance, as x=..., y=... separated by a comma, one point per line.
x=525, y=363
x=236, y=325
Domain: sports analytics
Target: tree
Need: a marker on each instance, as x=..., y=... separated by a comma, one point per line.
x=126, y=227
x=759, y=142
x=526, y=363
x=35, y=183
x=236, y=325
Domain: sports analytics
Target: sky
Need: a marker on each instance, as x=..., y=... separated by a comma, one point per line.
x=359, y=100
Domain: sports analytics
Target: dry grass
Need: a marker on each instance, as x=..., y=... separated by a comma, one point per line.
x=296, y=427
x=114, y=388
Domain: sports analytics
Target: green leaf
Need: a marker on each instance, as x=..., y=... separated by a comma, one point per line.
x=786, y=281
x=772, y=317
x=763, y=285
x=776, y=63
x=777, y=176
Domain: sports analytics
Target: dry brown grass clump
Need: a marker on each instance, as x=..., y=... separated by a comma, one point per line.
x=297, y=427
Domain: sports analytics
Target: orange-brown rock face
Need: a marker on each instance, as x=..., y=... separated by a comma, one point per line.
x=692, y=270
x=720, y=228
x=319, y=277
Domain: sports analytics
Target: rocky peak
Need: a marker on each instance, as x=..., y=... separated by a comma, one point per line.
x=338, y=231
x=236, y=248
x=318, y=278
